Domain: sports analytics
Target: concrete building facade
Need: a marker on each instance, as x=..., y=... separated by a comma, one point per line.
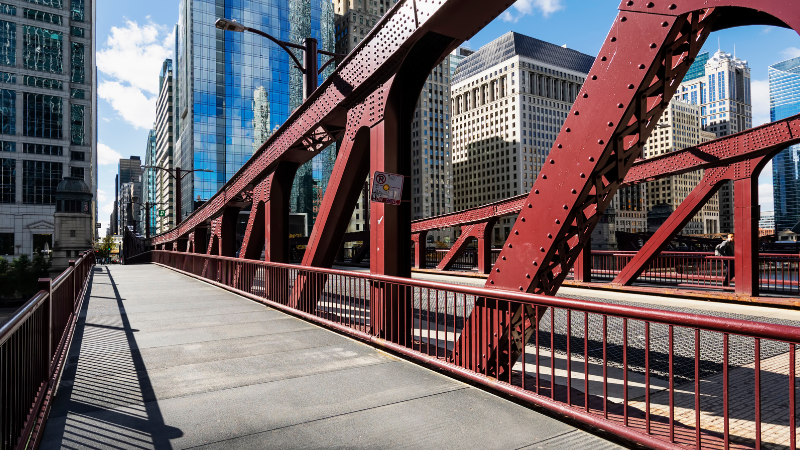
x=165, y=184
x=508, y=101
x=48, y=121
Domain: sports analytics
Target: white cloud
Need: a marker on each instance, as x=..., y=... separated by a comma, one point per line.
x=130, y=60
x=791, y=52
x=525, y=7
x=760, y=90
x=105, y=210
x=130, y=102
x=101, y=196
x=106, y=155
x=765, y=192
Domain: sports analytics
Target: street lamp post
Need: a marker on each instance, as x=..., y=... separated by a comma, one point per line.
x=147, y=206
x=177, y=176
x=310, y=51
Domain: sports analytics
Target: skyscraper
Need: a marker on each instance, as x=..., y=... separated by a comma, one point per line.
x=149, y=183
x=218, y=73
x=509, y=100
x=784, y=101
x=47, y=115
x=129, y=189
x=723, y=94
x=165, y=184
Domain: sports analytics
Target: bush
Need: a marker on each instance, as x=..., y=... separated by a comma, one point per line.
x=19, y=280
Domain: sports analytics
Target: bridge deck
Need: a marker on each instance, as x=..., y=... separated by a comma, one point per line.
x=161, y=360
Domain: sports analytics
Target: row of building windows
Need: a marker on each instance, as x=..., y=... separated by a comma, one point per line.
x=39, y=180
x=42, y=51
x=42, y=115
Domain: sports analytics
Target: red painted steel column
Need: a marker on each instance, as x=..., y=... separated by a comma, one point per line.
x=583, y=265
x=483, y=233
x=746, y=216
x=390, y=231
x=458, y=248
x=676, y=221
x=420, y=249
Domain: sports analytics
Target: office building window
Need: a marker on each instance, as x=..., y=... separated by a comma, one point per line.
x=8, y=77
x=8, y=43
x=77, y=31
x=51, y=3
x=43, y=149
x=45, y=83
x=77, y=128
x=41, y=49
x=6, y=244
x=43, y=116
x=77, y=71
x=77, y=93
x=76, y=172
x=8, y=180
x=8, y=112
x=39, y=181
x=7, y=9
x=42, y=16
x=76, y=10
x=6, y=146
x=77, y=156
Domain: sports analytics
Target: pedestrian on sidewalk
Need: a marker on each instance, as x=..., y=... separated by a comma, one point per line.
x=726, y=248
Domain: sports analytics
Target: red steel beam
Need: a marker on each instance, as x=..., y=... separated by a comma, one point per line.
x=372, y=63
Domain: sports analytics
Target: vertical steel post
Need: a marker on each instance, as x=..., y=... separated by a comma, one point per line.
x=309, y=67
x=46, y=284
x=746, y=214
x=583, y=265
x=484, y=236
x=178, y=214
x=147, y=218
x=420, y=249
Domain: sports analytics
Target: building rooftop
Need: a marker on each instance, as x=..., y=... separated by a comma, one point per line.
x=512, y=44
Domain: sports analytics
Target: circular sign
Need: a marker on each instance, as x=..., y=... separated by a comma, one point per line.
x=385, y=187
x=381, y=179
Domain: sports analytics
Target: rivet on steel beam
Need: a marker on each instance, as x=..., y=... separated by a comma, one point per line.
x=566, y=207
x=527, y=275
x=574, y=191
x=613, y=39
x=603, y=58
x=594, y=77
x=630, y=3
x=549, y=236
x=585, y=95
x=664, y=24
x=541, y=249
x=577, y=113
x=630, y=86
x=535, y=263
x=497, y=269
x=516, y=231
x=504, y=258
x=583, y=175
x=623, y=19
x=620, y=105
x=544, y=177
x=653, y=45
x=650, y=4
x=520, y=288
x=558, y=221
x=567, y=130
x=641, y=66
x=673, y=6
x=559, y=145
x=600, y=142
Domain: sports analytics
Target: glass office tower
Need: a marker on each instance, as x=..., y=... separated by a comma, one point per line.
x=784, y=101
x=218, y=75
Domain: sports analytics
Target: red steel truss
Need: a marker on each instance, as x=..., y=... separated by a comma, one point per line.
x=368, y=103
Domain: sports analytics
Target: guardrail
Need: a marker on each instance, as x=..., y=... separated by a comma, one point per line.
x=664, y=379
x=778, y=273
x=33, y=347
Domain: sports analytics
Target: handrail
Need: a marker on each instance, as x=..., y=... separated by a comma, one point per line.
x=11, y=325
x=742, y=327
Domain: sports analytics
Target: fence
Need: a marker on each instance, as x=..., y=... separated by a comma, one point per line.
x=664, y=379
x=778, y=273
x=33, y=346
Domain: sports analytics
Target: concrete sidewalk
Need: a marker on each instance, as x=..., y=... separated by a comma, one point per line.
x=160, y=360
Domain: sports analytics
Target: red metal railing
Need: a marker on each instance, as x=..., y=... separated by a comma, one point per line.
x=779, y=273
x=33, y=347
x=664, y=379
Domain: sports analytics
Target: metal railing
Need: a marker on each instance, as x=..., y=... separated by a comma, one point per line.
x=33, y=347
x=778, y=273
x=664, y=379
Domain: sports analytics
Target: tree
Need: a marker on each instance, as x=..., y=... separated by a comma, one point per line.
x=106, y=246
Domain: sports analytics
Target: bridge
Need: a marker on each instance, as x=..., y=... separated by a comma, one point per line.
x=656, y=370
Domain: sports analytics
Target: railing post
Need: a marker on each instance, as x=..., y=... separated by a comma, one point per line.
x=74, y=285
x=46, y=284
x=746, y=216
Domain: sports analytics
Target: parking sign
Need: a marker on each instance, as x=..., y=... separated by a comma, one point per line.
x=387, y=188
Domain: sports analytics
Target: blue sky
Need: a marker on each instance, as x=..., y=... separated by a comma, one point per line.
x=134, y=37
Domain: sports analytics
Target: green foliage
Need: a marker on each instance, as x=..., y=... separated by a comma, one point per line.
x=105, y=246
x=20, y=278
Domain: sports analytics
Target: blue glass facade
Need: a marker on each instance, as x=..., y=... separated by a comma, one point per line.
x=784, y=99
x=698, y=68
x=217, y=74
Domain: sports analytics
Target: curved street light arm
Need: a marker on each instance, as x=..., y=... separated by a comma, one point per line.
x=283, y=45
x=335, y=57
